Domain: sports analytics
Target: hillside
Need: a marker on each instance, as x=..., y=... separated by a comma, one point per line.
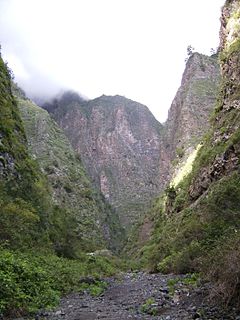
x=127, y=153
x=24, y=201
x=118, y=214
x=197, y=222
x=119, y=143
x=37, y=234
x=96, y=224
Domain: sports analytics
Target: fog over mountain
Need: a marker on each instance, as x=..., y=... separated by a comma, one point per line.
x=132, y=48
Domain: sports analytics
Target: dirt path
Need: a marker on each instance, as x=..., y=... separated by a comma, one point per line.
x=139, y=296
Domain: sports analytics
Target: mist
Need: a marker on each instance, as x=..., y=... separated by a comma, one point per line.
x=133, y=48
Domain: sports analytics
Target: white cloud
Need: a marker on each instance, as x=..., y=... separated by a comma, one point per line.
x=135, y=48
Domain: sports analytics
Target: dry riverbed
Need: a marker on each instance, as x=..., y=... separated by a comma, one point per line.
x=141, y=296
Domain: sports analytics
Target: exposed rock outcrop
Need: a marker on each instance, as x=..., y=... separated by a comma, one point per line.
x=197, y=222
x=71, y=189
x=223, y=145
x=119, y=143
x=188, y=117
x=126, y=152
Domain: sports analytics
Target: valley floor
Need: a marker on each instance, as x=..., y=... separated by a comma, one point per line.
x=141, y=296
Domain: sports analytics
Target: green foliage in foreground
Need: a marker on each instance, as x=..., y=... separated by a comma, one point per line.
x=190, y=280
x=149, y=307
x=29, y=282
x=203, y=238
x=179, y=242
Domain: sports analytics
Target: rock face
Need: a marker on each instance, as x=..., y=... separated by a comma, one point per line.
x=24, y=202
x=71, y=189
x=188, y=121
x=119, y=143
x=126, y=152
x=188, y=117
x=12, y=137
x=197, y=222
x=224, y=140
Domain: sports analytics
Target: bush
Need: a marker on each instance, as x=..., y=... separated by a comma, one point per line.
x=222, y=267
x=18, y=221
x=29, y=282
x=180, y=241
x=25, y=286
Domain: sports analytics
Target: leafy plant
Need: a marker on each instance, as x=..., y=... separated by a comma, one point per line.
x=149, y=307
x=30, y=281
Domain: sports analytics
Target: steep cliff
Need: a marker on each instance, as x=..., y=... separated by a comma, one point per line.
x=24, y=202
x=197, y=221
x=188, y=116
x=119, y=143
x=33, y=229
x=128, y=154
x=188, y=120
x=97, y=226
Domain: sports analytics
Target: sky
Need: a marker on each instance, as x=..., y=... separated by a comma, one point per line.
x=134, y=48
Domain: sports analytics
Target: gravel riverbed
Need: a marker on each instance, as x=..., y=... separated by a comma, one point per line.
x=141, y=296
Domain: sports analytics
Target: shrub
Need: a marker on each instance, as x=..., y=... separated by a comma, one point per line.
x=18, y=223
x=222, y=267
x=180, y=152
x=29, y=282
x=25, y=286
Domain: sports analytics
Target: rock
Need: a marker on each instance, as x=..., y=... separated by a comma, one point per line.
x=71, y=186
x=88, y=280
x=188, y=117
x=119, y=143
x=196, y=316
x=59, y=312
x=125, y=300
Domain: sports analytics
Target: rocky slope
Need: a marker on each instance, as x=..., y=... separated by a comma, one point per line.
x=126, y=152
x=188, y=120
x=197, y=222
x=24, y=202
x=119, y=143
x=97, y=225
x=143, y=296
x=188, y=117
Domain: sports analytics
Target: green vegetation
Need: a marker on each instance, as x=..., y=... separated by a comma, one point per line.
x=24, y=202
x=203, y=235
x=197, y=223
x=29, y=281
x=191, y=280
x=149, y=307
x=181, y=241
x=97, y=289
x=42, y=242
x=84, y=209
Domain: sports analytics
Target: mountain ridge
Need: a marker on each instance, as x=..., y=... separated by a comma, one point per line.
x=172, y=191
x=105, y=128
x=113, y=136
